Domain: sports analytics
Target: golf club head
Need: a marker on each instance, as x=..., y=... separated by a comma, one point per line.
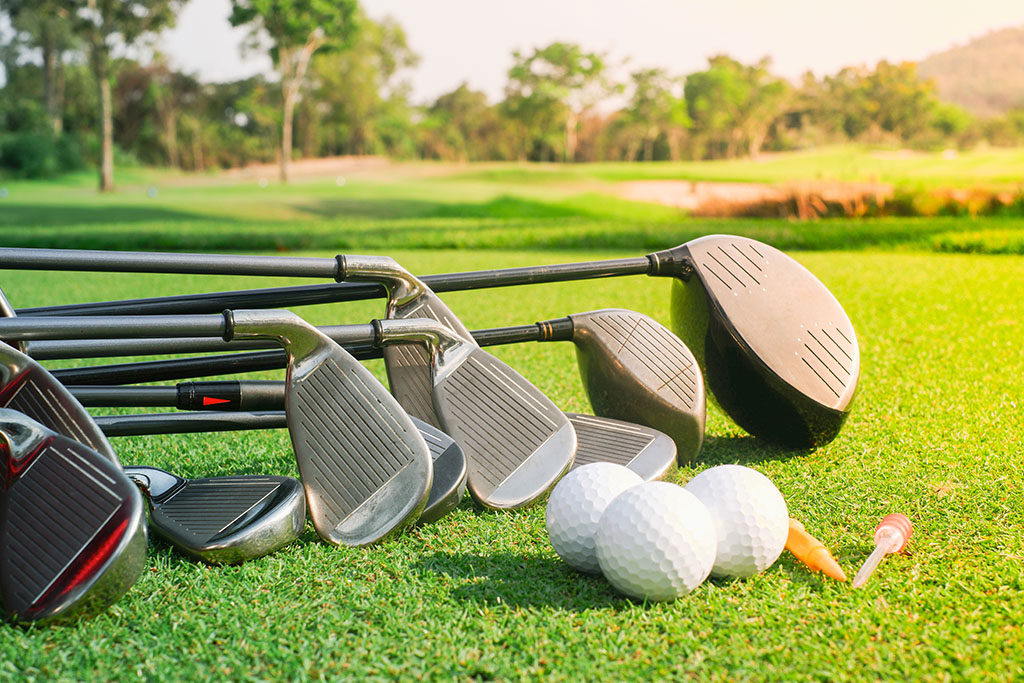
x=72, y=526
x=646, y=451
x=29, y=389
x=518, y=444
x=365, y=467
x=7, y=311
x=778, y=350
x=450, y=472
x=408, y=365
x=222, y=520
x=634, y=369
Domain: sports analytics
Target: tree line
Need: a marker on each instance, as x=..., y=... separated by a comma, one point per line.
x=70, y=101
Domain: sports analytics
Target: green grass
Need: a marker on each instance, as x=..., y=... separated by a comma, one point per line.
x=935, y=433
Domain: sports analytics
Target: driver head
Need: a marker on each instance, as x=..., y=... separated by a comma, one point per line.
x=634, y=369
x=778, y=350
x=222, y=520
x=72, y=526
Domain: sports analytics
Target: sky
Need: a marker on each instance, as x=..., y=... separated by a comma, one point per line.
x=472, y=40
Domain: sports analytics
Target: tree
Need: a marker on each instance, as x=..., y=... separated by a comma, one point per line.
x=45, y=24
x=104, y=24
x=557, y=84
x=296, y=30
x=655, y=110
x=733, y=105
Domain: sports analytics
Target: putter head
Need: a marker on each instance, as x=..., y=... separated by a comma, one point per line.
x=450, y=470
x=72, y=526
x=408, y=365
x=222, y=520
x=778, y=350
x=518, y=444
x=634, y=369
x=365, y=467
x=646, y=451
x=29, y=389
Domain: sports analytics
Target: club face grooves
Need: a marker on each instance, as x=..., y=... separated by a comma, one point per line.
x=72, y=536
x=646, y=451
x=227, y=520
x=517, y=443
x=366, y=473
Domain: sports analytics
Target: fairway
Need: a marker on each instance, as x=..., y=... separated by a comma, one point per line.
x=935, y=433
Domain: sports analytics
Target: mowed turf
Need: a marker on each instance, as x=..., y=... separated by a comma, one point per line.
x=935, y=433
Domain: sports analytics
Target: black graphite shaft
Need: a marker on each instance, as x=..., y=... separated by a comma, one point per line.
x=235, y=363
x=188, y=423
x=287, y=297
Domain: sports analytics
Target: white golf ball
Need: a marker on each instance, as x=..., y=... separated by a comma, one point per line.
x=575, y=506
x=656, y=541
x=751, y=518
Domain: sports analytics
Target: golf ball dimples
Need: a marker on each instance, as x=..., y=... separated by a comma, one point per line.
x=751, y=518
x=575, y=506
x=656, y=541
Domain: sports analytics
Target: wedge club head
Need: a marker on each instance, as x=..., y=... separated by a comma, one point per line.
x=365, y=467
x=518, y=444
x=72, y=526
x=222, y=520
x=646, y=451
x=794, y=386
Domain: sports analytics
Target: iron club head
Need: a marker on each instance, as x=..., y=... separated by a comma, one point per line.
x=222, y=520
x=646, y=451
x=72, y=526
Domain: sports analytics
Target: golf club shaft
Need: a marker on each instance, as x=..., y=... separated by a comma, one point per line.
x=560, y=330
x=226, y=395
x=236, y=363
x=663, y=263
x=188, y=423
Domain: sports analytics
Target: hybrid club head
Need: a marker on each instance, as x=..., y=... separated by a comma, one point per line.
x=646, y=451
x=222, y=520
x=634, y=369
x=408, y=365
x=518, y=444
x=778, y=350
x=29, y=389
x=72, y=526
x=365, y=467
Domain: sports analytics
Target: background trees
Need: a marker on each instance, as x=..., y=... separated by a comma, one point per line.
x=72, y=96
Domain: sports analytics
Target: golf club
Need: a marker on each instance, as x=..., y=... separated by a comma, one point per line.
x=770, y=337
x=517, y=443
x=29, y=389
x=364, y=466
x=222, y=520
x=632, y=368
x=646, y=451
x=449, y=462
x=407, y=365
x=72, y=526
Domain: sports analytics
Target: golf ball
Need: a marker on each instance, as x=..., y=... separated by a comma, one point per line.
x=751, y=518
x=656, y=541
x=575, y=506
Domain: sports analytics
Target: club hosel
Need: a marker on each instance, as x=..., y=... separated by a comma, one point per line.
x=156, y=482
x=674, y=262
x=18, y=435
x=446, y=348
x=298, y=336
x=559, y=329
x=401, y=285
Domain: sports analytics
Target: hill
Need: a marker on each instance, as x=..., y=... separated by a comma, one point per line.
x=985, y=76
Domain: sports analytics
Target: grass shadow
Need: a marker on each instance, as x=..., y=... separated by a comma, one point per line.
x=368, y=208
x=744, y=450
x=519, y=581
